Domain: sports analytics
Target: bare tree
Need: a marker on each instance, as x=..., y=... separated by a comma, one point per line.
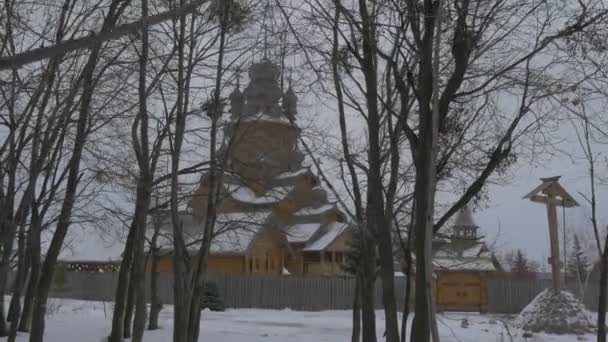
x=88, y=87
x=465, y=99
x=64, y=47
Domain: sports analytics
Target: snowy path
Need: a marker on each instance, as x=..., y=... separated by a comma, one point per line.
x=71, y=320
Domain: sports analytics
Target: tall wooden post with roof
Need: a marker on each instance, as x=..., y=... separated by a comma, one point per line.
x=552, y=194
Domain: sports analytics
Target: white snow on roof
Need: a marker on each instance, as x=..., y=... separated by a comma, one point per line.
x=285, y=175
x=301, y=232
x=475, y=251
x=334, y=230
x=464, y=264
x=243, y=193
x=245, y=217
x=314, y=211
x=235, y=241
x=474, y=258
x=234, y=232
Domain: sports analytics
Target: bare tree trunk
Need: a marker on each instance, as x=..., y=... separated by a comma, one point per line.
x=155, y=301
x=356, y=334
x=377, y=222
x=15, y=307
x=406, y=303
x=181, y=266
x=144, y=188
x=424, y=190
x=127, y=322
x=35, y=255
x=368, y=314
x=34, y=251
x=602, y=305
x=408, y=284
x=357, y=198
x=5, y=257
x=3, y=325
x=122, y=290
x=138, y=270
x=215, y=113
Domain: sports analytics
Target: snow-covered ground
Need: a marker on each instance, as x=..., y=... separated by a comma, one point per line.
x=71, y=320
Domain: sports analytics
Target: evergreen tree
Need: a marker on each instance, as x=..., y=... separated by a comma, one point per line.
x=60, y=278
x=578, y=264
x=212, y=299
x=353, y=258
x=520, y=265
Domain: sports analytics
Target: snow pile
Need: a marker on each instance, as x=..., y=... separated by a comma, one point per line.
x=555, y=313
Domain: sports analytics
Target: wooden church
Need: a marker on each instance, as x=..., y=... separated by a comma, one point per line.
x=463, y=264
x=273, y=216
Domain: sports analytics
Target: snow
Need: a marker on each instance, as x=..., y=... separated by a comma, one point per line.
x=264, y=117
x=242, y=193
x=286, y=175
x=235, y=241
x=314, y=211
x=465, y=264
x=234, y=232
x=558, y=313
x=474, y=258
x=474, y=251
x=241, y=219
x=70, y=320
x=301, y=232
x=334, y=230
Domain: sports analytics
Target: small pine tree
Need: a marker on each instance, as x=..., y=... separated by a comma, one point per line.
x=352, y=259
x=60, y=278
x=520, y=265
x=578, y=264
x=212, y=299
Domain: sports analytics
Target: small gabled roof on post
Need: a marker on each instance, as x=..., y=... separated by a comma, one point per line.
x=550, y=190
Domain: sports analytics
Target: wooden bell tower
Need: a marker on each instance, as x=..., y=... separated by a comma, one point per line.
x=552, y=194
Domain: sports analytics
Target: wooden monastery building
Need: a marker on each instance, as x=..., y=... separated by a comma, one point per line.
x=273, y=216
x=462, y=266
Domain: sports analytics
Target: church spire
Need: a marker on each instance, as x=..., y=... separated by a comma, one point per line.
x=290, y=101
x=263, y=93
x=236, y=98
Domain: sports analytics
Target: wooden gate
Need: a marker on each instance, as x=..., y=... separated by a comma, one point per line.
x=461, y=291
